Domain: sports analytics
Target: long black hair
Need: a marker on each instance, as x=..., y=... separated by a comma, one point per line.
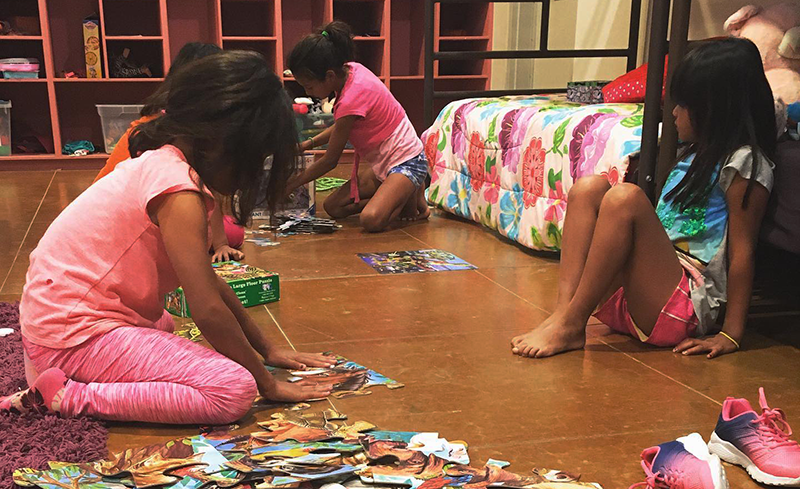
x=191, y=51
x=328, y=48
x=235, y=113
x=730, y=104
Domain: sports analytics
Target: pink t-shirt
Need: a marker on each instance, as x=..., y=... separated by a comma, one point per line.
x=102, y=264
x=382, y=135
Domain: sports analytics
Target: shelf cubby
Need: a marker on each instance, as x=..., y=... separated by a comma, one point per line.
x=131, y=18
x=30, y=111
x=248, y=18
x=406, y=43
x=24, y=49
x=23, y=15
x=371, y=55
x=149, y=52
x=366, y=17
x=190, y=22
x=266, y=46
x=464, y=19
x=299, y=18
x=66, y=34
x=82, y=121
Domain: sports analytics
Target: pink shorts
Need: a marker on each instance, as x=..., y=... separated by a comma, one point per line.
x=676, y=322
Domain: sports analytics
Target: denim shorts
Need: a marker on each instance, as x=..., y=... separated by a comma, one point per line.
x=415, y=169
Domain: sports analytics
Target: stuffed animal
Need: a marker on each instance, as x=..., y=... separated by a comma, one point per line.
x=776, y=31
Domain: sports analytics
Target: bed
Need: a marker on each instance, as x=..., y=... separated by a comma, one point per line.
x=508, y=162
x=508, y=158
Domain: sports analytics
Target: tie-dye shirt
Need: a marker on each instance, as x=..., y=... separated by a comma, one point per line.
x=701, y=231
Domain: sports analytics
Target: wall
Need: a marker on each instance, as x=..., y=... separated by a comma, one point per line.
x=583, y=24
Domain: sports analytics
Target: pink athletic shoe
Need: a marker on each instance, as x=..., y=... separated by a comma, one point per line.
x=682, y=464
x=760, y=444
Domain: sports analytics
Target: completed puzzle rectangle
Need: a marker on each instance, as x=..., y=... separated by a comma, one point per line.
x=415, y=261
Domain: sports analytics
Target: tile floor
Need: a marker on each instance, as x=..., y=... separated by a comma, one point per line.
x=446, y=336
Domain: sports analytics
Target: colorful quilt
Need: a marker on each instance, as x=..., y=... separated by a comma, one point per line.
x=509, y=162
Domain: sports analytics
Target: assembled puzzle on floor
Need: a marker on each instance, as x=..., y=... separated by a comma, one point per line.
x=415, y=261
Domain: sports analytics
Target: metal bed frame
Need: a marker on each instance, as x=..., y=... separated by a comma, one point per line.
x=652, y=162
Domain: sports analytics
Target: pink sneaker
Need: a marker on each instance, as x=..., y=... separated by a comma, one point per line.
x=682, y=464
x=760, y=444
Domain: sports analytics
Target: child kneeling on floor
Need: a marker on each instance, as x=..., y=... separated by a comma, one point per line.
x=369, y=116
x=671, y=268
x=92, y=315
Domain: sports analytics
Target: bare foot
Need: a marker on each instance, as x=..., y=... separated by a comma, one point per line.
x=550, y=338
x=417, y=207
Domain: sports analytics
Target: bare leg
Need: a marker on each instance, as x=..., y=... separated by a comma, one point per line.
x=584, y=201
x=339, y=204
x=628, y=240
x=387, y=203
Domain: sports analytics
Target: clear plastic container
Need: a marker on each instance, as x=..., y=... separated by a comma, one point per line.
x=116, y=121
x=5, y=128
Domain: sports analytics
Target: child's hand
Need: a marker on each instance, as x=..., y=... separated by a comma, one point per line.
x=297, y=392
x=296, y=360
x=307, y=145
x=227, y=253
x=713, y=345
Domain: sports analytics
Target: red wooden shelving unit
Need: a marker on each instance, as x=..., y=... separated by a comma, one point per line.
x=388, y=41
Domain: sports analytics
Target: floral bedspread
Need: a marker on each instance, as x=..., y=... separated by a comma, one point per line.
x=508, y=163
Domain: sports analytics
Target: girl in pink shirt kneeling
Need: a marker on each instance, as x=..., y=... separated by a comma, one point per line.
x=92, y=315
x=374, y=122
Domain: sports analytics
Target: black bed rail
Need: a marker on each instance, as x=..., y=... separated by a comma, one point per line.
x=430, y=93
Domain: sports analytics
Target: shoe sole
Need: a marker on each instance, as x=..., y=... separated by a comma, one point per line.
x=728, y=452
x=695, y=445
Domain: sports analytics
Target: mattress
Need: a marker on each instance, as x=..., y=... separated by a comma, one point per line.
x=508, y=163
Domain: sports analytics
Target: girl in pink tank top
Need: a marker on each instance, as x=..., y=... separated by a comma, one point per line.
x=97, y=340
x=374, y=122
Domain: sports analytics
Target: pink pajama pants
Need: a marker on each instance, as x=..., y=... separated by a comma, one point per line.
x=150, y=375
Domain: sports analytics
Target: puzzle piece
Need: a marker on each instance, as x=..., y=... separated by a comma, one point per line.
x=320, y=419
x=190, y=331
x=148, y=466
x=66, y=476
x=346, y=378
x=282, y=430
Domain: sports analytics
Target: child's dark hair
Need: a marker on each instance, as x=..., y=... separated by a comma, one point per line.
x=730, y=105
x=329, y=48
x=235, y=113
x=191, y=51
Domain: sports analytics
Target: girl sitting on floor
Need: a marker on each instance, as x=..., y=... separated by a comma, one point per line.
x=92, y=315
x=227, y=236
x=669, y=269
x=369, y=116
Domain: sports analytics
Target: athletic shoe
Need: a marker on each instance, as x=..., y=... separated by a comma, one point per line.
x=682, y=464
x=759, y=443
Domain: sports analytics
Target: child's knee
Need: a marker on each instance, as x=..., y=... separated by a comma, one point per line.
x=626, y=197
x=592, y=187
x=373, y=221
x=231, y=396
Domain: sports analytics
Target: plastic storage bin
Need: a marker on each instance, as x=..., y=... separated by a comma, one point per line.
x=5, y=128
x=309, y=125
x=116, y=120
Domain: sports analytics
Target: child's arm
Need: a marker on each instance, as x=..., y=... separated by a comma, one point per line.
x=318, y=140
x=219, y=240
x=181, y=217
x=272, y=356
x=340, y=133
x=743, y=230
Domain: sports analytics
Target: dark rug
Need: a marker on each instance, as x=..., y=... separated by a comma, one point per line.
x=34, y=440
